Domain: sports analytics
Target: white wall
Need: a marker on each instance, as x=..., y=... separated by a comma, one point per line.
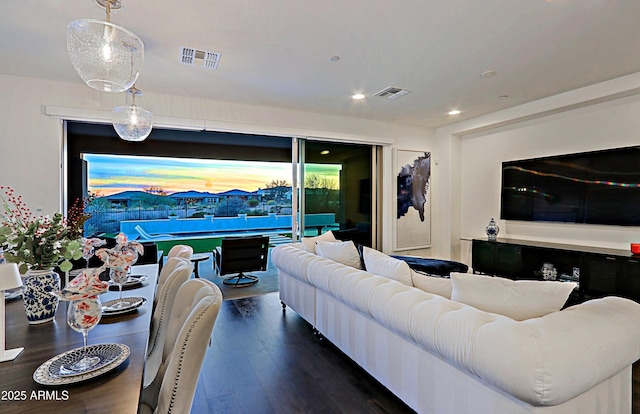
x=466, y=156
x=600, y=117
x=31, y=132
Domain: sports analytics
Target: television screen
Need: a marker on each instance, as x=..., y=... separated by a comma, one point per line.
x=600, y=187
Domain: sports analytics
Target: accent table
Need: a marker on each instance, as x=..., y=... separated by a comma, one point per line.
x=196, y=259
x=117, y=391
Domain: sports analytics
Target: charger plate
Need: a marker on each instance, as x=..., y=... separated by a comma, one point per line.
x=53, y=371
x=130, y=304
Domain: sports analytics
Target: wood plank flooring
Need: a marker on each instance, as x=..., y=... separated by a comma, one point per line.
x=263, y=360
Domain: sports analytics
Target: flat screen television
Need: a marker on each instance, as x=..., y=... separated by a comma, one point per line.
x=598, y=187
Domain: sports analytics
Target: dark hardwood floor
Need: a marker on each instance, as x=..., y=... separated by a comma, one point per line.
x=264, y=360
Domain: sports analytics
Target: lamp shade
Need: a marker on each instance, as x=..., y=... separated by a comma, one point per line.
x=132, y=123
x=9, y=276
x=107, y=57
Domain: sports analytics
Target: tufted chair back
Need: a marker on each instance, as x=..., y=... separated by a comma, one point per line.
x=167, y=269
x=190, y=325
x=159, y=321
x=181, y=250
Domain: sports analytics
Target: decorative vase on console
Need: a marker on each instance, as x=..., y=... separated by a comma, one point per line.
x=39, y=304
x=492, y=230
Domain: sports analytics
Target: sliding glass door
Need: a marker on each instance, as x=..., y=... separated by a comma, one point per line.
x=292, y=186
x=336, y=187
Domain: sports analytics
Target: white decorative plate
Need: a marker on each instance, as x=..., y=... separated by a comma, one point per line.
x=129, y=305
x=112, y=356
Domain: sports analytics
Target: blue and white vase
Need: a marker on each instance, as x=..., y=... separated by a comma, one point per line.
x=492, y=230
x=39, y=304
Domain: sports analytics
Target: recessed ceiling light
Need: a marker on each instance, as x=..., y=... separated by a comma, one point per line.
x=503, y=96
x=335, y=58
x=324, y=152
x=357, y=96
x=454, y=112
x=488, y=73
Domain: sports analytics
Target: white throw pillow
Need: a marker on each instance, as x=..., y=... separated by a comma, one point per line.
x=380, y=264
x=440, y=286
x=341, y=252
x=519, y=300
x=309, y=243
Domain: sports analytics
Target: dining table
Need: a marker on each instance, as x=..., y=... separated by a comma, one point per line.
x=117, y=390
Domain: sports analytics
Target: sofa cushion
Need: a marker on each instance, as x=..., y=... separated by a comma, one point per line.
x=433, y=266
x=519, y=300
x=341, y=252
x=309, y=243
x=380, y=264
x=440, y=286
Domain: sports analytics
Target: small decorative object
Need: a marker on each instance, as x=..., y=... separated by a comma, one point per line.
x=89, y=247
x=492, y=230
x=119, y=260
x=83, y=313
x=9, y=279
x=635, y=248
x=38, y=244
x=549, y=272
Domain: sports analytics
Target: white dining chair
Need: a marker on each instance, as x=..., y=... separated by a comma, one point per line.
x=159, y=321
x=190, y=326
x=167, y=269
x=181, y=250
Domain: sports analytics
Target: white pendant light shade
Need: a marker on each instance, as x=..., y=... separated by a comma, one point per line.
x=132, y=123
x=107, y=57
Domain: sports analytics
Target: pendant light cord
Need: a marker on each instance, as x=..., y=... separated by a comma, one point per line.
x=108, y=9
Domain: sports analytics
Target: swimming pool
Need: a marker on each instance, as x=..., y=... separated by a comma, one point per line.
x=168, y=229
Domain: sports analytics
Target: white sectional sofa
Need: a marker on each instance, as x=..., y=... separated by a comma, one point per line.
x=441, y=356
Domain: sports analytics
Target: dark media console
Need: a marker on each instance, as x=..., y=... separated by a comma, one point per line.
x=601, y=271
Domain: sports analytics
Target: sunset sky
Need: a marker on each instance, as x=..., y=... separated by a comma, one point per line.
x=110, y=174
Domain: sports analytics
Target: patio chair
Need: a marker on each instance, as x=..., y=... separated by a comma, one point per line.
x=238, y=255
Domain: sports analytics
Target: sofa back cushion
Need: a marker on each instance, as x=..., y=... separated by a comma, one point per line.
x=309, y=243
x=380, y=264
x=440, y=286
x=519, y=300
x=341, y=252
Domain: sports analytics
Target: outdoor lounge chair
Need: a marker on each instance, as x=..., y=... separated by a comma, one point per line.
x=147, y=236
x=239, y=255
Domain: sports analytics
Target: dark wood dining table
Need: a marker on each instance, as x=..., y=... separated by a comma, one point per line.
x=117, y=391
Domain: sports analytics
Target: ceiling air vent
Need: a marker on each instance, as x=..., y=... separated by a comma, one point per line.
x=392, y=92
x=195, y=57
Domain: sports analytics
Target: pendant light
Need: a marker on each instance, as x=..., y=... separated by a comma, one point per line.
x=132, y=123
x=107, y=57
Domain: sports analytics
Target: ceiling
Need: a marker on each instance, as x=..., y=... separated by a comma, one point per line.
x=278, y=53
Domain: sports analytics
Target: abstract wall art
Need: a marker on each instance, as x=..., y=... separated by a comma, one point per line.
x=412, y=228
